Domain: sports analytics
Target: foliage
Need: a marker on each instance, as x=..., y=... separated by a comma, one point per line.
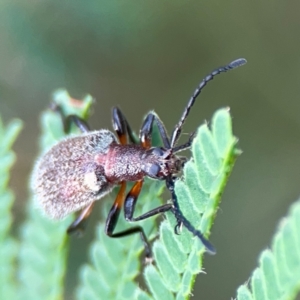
x=8, y=245
x=278, y=274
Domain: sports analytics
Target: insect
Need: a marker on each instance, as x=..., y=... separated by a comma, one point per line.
x=81, y=169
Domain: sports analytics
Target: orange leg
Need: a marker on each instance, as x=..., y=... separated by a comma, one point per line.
x=113, y=216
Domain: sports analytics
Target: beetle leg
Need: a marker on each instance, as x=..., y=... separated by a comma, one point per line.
x=162, y=131
x=182, y=221
x=146, y=131
x=130, y=201
x=121, y=126
x=80, y=123
x=78, y=225
x=68, y=120
x=112, y=220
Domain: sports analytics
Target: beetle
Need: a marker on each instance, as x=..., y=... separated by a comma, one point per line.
x=81, y=169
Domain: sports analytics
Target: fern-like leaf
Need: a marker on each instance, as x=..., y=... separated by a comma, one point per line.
x=278, y=274
x=179, y=257
x=8, y=246
x=42, y=258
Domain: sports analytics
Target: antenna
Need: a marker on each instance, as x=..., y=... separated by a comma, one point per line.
x=177, y=129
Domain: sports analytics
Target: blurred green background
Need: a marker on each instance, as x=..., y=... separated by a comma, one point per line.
x=143, y=55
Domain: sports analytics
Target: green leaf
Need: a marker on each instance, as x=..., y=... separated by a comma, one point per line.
x=278, y=273
x=8, y=245
x=43, y=254
x=243, y=293
x=156, y=284
x=179, y=258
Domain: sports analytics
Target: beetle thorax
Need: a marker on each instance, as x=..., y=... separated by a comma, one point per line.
x=133, y=162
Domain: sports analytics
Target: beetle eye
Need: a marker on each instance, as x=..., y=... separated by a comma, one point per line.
x=158, y=151
x=153, y=170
